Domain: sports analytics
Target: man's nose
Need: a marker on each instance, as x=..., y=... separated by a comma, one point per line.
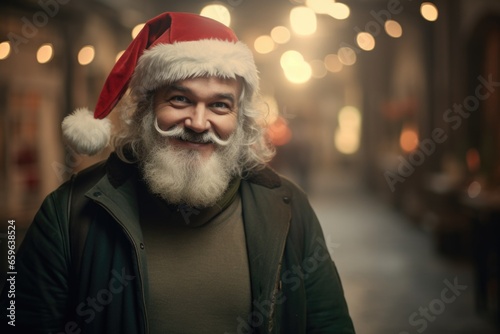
x=198, y=121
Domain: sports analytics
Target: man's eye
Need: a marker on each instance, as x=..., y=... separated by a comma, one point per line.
x=179, y=99
x=221, y=105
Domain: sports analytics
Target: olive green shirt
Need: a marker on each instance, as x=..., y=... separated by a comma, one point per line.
x=199, y=280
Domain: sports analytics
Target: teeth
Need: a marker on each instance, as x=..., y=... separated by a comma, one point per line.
x=194, y=140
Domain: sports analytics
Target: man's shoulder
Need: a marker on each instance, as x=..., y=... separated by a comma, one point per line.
x=82, y=180
x=265, y=177
x=116, y=170
x=271, y=179
x=94, y=171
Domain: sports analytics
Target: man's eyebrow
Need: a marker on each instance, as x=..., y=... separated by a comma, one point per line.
x=179, y=88
x=226, y=96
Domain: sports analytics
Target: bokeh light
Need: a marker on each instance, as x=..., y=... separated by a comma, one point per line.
x=280, y=34
x=45, y=53
x=408, y=140
x=429, y=11
x=217, y=12
x=474, y=189
x=279, y=133
x=473, y=160
x=118, y=55
x=346, y=142
x=264, y=44
x=393, y=28
x=303, y=20
x=298, y=73
x=290, y=58
x=339, y=11
x=136, y=30
x=347, y=136
x=365, y=41
x=347, y=56
x=320, y=6
x=332, y=63
x=86, y=55
x=296, y=69
x=349, y=118
x=4, y=50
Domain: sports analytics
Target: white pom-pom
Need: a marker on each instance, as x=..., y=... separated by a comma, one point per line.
x=84, y=133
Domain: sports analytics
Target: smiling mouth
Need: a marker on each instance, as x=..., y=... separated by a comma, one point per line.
x=192, y=141
x=195, y=140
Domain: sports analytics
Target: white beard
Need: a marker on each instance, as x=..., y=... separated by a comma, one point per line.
x=182, y=176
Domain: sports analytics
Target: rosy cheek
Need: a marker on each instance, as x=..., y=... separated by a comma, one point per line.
x=226, y=126
x=166, y=119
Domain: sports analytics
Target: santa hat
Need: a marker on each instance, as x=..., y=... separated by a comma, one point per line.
x=170, y=47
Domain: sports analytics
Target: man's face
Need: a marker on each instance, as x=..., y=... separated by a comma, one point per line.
x=193, y=150
x=199, y=105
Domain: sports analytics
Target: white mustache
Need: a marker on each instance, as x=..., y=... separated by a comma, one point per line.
x=179, y=132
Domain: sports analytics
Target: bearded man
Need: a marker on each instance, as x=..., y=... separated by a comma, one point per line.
x=183, y=229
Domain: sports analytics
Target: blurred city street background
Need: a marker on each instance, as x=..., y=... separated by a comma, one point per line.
x=393, y=276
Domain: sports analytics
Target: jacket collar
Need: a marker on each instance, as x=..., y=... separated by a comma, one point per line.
x=118, y=171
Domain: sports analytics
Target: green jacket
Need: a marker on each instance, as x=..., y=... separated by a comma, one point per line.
x=294, y=283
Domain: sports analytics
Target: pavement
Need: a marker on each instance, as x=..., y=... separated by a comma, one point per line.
x=394, y=280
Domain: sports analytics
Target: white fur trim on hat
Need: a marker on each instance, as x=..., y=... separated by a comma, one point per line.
x=167, y=63
x=84, y=133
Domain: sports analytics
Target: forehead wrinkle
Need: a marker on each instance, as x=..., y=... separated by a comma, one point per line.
x=186, y=90
x=177, y=87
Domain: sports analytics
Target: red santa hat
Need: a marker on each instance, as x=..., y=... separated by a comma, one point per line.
x=170, y=47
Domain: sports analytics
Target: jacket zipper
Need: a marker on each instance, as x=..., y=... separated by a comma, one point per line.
x=146, y=324
x=276, y=284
